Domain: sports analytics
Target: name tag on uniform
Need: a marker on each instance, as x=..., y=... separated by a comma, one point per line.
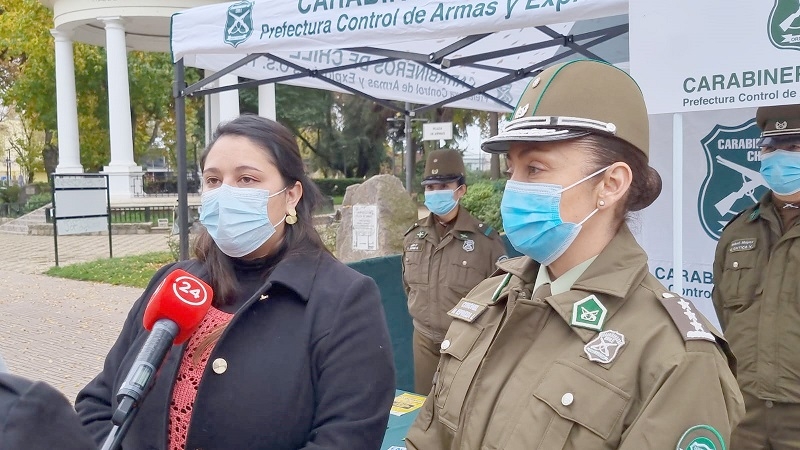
x=467, y=311
x=414, y=247
x=742, y=245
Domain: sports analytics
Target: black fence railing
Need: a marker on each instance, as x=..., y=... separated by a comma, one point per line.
x=155, y=215
x=144, y=186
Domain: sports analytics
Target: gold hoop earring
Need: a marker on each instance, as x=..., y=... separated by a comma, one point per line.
x=291, y=216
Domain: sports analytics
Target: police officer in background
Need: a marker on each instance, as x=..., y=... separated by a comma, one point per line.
x=757, y=292
x=576, y=345
x=444, y=256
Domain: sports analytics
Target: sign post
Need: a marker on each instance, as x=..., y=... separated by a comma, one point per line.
x=81, y=204
x=437, y=131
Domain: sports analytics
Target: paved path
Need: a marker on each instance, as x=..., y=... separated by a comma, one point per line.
x=58, y=330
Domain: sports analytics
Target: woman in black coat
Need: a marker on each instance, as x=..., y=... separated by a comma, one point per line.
x=293, y=354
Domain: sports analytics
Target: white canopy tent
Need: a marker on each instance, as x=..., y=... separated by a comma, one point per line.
x=459, y=53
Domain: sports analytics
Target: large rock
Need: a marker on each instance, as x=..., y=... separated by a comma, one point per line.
x=375, y=214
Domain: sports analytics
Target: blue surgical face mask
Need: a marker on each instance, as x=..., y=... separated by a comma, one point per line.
x=441, y=202
x=532, y=219
x=781, y=171
x=237, y=218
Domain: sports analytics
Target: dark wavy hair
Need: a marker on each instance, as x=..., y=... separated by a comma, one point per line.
x=280, y=146
x=646, y=183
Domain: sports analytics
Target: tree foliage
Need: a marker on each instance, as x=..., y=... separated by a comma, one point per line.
x=27, y=81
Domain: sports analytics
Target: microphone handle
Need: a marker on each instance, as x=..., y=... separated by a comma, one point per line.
x=142, y=374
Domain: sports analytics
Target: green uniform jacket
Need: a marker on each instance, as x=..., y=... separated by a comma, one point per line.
x=757, y=298
x=519, y=377
x=438, y=273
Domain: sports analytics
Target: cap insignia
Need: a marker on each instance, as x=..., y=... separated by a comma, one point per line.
x=521, y=111
x=781, y=125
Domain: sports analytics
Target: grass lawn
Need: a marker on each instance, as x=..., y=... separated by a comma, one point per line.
x=133, y=271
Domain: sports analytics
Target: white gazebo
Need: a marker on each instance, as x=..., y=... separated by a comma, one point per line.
x=119, y=26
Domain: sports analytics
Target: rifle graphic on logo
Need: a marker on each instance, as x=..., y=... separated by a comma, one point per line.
x=751, y=180
x=782, y=26
x=787, y=23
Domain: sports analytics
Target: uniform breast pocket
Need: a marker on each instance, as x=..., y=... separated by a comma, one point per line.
x=454, y=375
x=570, y=408
x=740, y=278
x=415, y=267
x=466, y=274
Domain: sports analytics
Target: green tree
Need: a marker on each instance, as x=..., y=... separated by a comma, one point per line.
x=27, y=81
x=26, y=146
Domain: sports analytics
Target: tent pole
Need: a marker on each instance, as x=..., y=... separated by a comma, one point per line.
x=180, y=131
x=677, y=203
x=494, y=167
x=409, y=150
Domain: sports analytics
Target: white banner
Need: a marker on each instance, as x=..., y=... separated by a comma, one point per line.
x=389, y=80
x=720, y=167
x=690, y=55
x=300, y=25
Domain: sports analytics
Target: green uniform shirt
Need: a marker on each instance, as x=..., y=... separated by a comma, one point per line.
x=529, y=370
x=757, y=299
x=437, y=273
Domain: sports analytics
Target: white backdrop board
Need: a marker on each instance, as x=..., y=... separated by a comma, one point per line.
x=692, y=55
x=720, y=168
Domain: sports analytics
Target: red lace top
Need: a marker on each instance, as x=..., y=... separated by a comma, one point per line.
x=189, y=375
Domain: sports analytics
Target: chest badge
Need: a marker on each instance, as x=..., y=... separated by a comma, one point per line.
x=422, y=234
x=467, y=311
x=605, y=347
x=701, y=437
x=469, y=245
x=414, y=247
x=589, y=313
x=742, y=245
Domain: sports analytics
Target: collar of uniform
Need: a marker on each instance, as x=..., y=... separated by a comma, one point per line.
x=564, y=282
x=463, y=221
x=297, y=271
x=613, y=274
x=521, y=267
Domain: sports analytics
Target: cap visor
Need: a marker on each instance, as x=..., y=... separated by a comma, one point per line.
x=777, y=141
x=502, y=142
x=429, y=181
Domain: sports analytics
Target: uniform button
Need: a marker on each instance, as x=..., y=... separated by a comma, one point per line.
x=445, y=344
x=567, y=399
x=219, y=366
x=667, y=295
x=769, y=403
x=463, y=263
x=480, y=225
x=735, y=264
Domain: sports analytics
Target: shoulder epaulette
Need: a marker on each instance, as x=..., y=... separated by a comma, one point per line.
x=754, y=213
x=411, y=228
x=686, y=318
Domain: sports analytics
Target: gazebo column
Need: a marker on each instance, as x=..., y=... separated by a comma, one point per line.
x=122, y=170
x=69, y=149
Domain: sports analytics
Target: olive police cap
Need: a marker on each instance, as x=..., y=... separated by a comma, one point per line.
x=574, y=99
x=443, y=166
x=778, y=124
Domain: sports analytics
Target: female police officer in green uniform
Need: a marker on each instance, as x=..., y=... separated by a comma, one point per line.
x=576, y=345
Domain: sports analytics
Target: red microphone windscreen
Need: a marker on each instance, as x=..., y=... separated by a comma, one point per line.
x=182, y=298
